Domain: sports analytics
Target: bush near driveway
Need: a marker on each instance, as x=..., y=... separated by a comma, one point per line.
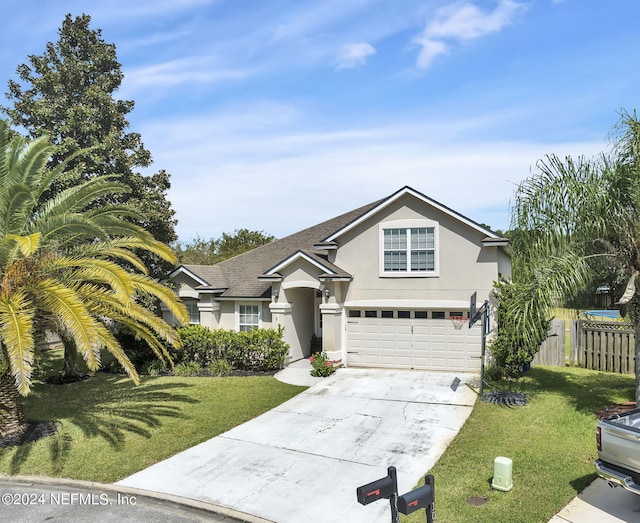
x=257, y=350
x=551, y=441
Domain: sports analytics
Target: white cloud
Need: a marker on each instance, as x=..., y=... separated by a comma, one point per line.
x=277, y=178
x=430, y=49
x=461, y=23
x=352, y=55
x=184, y=71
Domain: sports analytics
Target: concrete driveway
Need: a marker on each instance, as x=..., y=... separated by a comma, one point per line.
x=303, y=460
x=601, y=503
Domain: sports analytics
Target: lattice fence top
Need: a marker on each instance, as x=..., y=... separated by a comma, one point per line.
x=617, y=326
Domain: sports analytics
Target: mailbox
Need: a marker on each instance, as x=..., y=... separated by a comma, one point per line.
x=379, y=489
x=415, y=500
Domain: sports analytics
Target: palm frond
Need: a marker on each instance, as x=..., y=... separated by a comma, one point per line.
x=101, y=302
x=111, y=344
x=82, y=270
x=108, y=250
x=165, y=295
x=27, y=245
x=16, y=333
x=63, y=303
x=79, y=197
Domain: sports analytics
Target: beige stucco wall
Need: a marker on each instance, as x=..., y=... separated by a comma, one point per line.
x=298, y=290
x=465, y=265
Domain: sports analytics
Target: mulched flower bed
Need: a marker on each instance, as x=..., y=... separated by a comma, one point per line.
x=612, y=410
x=35, y=431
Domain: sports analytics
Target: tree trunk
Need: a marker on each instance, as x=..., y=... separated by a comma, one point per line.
x=12, y=420
x=70, y=370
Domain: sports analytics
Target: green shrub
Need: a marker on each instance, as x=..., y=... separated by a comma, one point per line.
x=154, y=368
x=135, y=348
x=198, y=345
x=511, y=349
x=321, y=366
x=258, y=349
x=187, y=369
x=266, y=348
x=220, y=368
x=494, y=373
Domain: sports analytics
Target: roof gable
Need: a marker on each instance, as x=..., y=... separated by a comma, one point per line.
x=240, y=274
x=330, y=270
x=250, y=274
x=184, y=269
x=382, y=204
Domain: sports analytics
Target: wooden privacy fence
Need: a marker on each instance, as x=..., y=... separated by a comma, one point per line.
x=552, y=351
x=596, y=345
x=603, y=345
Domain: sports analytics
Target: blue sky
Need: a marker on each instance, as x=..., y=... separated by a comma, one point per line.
x=276, y=115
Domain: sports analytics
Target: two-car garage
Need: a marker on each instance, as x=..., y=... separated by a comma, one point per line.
x=411, y=340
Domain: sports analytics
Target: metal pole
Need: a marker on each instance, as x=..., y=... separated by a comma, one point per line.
x=485, y=328
x=431, y=509
x=393, y=500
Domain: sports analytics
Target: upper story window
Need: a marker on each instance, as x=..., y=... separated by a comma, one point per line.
x=248, y=317
x=408, y=248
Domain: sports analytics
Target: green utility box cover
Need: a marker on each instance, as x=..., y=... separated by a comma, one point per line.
x=502, y=474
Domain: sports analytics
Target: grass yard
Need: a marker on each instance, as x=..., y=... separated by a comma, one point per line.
x=551, y=441
x=108, y=428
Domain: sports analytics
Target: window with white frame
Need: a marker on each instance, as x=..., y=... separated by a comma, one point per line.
x=194, y=312
x=248, y=317
x=408, y=248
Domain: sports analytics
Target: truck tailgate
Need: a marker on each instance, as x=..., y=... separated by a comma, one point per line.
x=620, y=444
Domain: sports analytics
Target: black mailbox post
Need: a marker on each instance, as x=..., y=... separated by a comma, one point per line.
x=386, y=488
x=422, y=497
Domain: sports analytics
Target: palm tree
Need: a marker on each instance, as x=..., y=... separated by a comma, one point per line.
x=572, y=215
x=68, y=269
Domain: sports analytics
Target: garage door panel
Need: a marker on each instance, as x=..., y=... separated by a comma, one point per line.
x=412, y=343
x=371, y=330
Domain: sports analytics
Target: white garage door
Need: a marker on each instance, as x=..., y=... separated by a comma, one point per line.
x=425, y=344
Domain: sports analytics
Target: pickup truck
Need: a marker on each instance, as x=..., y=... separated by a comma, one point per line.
x=618, y=440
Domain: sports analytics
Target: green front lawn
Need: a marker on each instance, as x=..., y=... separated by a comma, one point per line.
x=551, y=441
x=108, y=428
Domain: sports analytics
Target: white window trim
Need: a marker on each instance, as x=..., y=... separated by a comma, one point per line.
x=237, y=312
x=190, y=303
x=409, y=224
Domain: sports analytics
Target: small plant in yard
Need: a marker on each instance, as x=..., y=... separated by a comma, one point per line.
x=220, y=367
x=154, y=368
x=187, y=369
x=321, y=366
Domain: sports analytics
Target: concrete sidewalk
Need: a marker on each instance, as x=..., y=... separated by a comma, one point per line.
x=600, y=503
x=303, y=460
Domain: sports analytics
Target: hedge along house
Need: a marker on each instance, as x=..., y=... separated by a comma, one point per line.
x=378, y=284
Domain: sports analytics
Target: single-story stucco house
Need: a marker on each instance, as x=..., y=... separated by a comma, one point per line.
x=378, y=284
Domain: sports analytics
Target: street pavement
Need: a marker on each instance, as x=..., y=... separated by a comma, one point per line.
x=27, y=499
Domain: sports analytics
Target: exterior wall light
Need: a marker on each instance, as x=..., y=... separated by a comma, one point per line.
x=327, y=293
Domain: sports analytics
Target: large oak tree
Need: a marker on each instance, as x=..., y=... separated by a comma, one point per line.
x=69, y=93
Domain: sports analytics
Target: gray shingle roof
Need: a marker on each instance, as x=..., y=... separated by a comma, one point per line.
x=239, y=275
